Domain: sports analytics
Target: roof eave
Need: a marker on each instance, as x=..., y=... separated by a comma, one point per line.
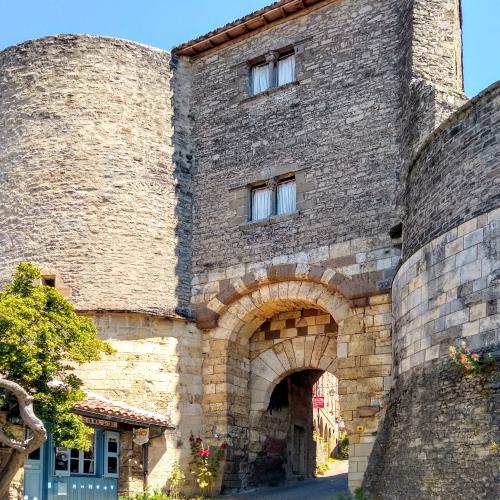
x=122, y=420
x=250, y=25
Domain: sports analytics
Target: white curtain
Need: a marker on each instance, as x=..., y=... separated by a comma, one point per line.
x=286, y=70
x=286, y=197
x=260, y=78
x=261, y=203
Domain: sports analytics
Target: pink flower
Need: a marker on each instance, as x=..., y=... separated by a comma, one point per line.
x=475, y=356
x=203, y=453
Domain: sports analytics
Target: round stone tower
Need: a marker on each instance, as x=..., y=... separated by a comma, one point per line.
x=94, y=188
x=441, y=429
x=87, y=172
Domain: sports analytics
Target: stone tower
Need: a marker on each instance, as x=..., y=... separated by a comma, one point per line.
x=96, y=192
x=133, y=178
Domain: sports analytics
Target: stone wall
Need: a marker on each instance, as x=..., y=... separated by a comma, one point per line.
x=431, y=64
x=89, y=185
x=316, y=127
x=440, y=437
x=289, y=325
x=131, y=469
x=440, y=429
x=462, y=160
x=448, y=290
x=282, y=441
x=156, y=367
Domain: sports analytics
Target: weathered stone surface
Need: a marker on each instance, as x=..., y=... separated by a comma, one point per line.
x=105, y=180
x=462, y=161
x=89, y=182
x=438, y=434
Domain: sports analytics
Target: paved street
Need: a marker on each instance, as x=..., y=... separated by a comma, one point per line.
x=325, y=488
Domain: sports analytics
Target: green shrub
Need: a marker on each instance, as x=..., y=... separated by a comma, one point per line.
x=175, y=481
x=359, y=494
x=343, y=452
x=148, y=495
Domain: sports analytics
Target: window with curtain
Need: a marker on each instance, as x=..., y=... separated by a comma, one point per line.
x=260, y=78
x=261, y=203
x=279, y=199
x=286, y=70
x=274, y=74
x=285, y=197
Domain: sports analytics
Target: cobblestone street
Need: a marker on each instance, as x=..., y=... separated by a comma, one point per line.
x=324, y=488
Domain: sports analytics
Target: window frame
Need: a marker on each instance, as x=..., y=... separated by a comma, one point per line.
x=273, y=186
x=271, y=61
x=81, y=460
x=253, y=190
x=107, y=454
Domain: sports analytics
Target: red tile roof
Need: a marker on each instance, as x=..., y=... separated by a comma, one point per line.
x=263, y=18
x=98, y=406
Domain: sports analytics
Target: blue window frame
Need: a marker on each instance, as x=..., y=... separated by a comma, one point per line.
x=111, y=454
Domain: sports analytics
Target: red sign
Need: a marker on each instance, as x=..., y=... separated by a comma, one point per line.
x=318, y=401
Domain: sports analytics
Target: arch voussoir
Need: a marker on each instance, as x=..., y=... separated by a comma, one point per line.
x=298, y=344
x=279, y=349
x=319, y=347
x=310, y=340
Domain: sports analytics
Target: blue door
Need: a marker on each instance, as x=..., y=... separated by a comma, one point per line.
x=54, y=473
x=33, y=475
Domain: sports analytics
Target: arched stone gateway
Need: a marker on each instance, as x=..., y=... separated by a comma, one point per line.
x=250, y=351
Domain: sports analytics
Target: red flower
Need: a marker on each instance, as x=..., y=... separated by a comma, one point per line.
x=198, y=440
x=203, y=453
x=223, y=446
x=191, y=438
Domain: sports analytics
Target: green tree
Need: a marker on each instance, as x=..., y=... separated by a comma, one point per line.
x=42, y=341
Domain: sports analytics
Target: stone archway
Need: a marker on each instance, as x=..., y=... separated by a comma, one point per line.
x=227, y=370
x=291, y=353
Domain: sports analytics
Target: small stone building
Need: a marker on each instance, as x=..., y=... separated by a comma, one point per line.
x=304, y=190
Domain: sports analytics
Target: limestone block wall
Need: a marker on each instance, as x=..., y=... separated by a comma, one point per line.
x=289, y=325
x=156, y=367
x=88, y=181
x=441, y=428
x=460, y=159
x=448, y=290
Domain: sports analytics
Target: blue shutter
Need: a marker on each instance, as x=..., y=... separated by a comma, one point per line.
x=111, y=454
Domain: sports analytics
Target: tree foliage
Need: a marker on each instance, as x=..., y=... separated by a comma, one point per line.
x=42, y=341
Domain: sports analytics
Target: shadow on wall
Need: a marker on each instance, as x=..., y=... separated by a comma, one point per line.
x=183, y=161
x=423, y=441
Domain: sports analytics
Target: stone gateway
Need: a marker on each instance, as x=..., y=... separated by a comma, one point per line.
x=304, y=191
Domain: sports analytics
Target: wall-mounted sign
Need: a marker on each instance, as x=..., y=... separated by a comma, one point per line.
x=99, y=422
x=318, y=401
x=141, y=436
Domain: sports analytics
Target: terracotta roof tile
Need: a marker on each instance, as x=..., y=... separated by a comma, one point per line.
x=262, y=18
x=96, y=405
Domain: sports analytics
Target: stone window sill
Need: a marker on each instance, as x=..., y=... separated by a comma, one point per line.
x=275, y=219
x=271, y=91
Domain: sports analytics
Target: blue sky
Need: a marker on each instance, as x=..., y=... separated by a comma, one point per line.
x=165, y=23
